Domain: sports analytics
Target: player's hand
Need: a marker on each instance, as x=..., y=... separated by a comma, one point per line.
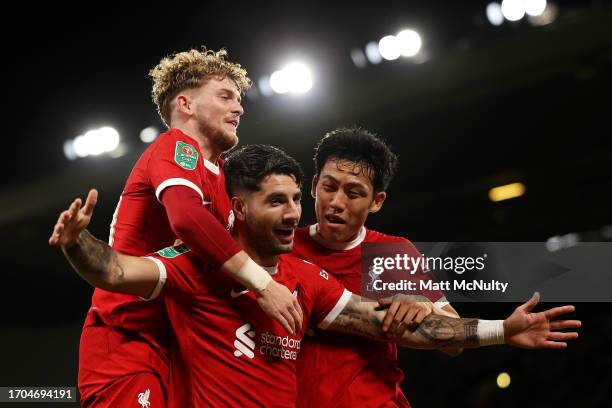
x=281, y=305
x=73, y=221
x=539, y=330
x=405, y=311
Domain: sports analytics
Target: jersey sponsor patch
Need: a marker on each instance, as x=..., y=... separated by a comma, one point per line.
x=173, y=251
x=186, y=155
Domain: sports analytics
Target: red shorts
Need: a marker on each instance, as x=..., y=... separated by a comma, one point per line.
x=116, y=366
x=137, y=390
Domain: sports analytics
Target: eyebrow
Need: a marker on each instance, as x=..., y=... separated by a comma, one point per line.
x=231, y=92
x=280, y=194
x=349, y=185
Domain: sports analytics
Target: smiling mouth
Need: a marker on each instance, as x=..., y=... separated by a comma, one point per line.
x=234, y=123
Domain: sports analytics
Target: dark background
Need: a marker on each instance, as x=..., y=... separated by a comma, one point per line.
x=491, y=105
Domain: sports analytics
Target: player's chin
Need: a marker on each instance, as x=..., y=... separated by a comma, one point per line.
x=230, y=140
x=283, y=247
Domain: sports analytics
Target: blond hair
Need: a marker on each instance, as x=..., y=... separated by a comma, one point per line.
x=192, y=69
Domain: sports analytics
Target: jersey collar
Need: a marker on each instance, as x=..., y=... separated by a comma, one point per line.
x=338, y=246
x=211, y=166
x=272, y=270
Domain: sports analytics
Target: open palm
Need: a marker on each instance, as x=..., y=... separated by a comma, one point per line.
x=73, y=221
x=539, y=330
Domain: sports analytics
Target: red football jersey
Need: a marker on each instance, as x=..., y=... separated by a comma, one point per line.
x=342, y=370
x=233, y=353
x=140, y=225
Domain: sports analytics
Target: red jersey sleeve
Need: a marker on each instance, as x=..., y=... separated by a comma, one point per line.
x=178, y=273
x=197, y=227
x=327, y=295
x=176, y=160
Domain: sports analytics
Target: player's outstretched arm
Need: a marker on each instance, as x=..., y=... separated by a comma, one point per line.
x=408, y=311
x=94, y=260
x=522, y=329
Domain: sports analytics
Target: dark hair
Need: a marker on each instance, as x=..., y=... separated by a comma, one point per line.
x=246, y=167
x=361, y=147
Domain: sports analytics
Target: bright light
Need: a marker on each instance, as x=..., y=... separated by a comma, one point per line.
x=279, y=82
x=359, y=58
x=95, y=142
x=409, y=43
x=372, y=53
x=264, y=86
x=389, y=47
x=513, y=10
x=506, y=192
x=294, y=78
x=107, y=140
x=69, y=150
x=300, y=78
x=503, y=380
x=494, y=14
x=149, y=134
x=535, y=7
x=548, y=16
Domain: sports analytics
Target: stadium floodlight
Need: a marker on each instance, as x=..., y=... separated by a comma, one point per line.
x=149, y=134
x=535, y=8
x=358, y=58
x=389, y=47
x=372, y=53
x=279, y=82
x=264, y=86
x=513, y=10
x=294, y=78
x=494, y=14
x=506, y=192
x=94, y=142
x=69, y=150
x=549, y=15
x=410, y=43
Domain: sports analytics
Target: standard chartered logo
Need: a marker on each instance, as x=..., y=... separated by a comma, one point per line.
x=271, y=345
x=243, y=343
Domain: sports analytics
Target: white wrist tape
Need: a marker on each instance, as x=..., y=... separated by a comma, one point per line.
x=253, y=276
x=490, y=332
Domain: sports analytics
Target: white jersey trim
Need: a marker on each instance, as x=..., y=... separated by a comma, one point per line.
x=441, y=302
x=178, y=182
x=331, y=316
x=111, y=234
x=340, y=246
x=162, y=278
x=211, y=166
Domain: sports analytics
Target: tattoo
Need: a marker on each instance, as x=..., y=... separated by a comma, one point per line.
x=435, y=331
x=95, y=261
x=449, y=331
x=353, y=320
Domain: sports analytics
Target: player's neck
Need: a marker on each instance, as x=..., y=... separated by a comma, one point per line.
x=209, y=151
x=257, y=256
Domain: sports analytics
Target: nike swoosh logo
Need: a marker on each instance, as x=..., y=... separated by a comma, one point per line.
x=235, y=294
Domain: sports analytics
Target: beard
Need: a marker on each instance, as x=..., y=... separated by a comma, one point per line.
x=221, y=139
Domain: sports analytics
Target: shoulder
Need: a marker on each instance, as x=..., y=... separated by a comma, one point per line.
x=376, y=236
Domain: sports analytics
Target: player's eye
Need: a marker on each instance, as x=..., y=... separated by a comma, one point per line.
x=329, y=187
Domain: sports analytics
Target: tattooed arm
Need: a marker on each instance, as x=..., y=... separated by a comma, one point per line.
x=96, y=262
x=521, y=329
x=103, y=267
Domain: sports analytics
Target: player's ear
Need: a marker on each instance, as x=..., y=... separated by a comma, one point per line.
x=239, y=208
x=183, y=103
x=377, y=202
x=313, y=187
